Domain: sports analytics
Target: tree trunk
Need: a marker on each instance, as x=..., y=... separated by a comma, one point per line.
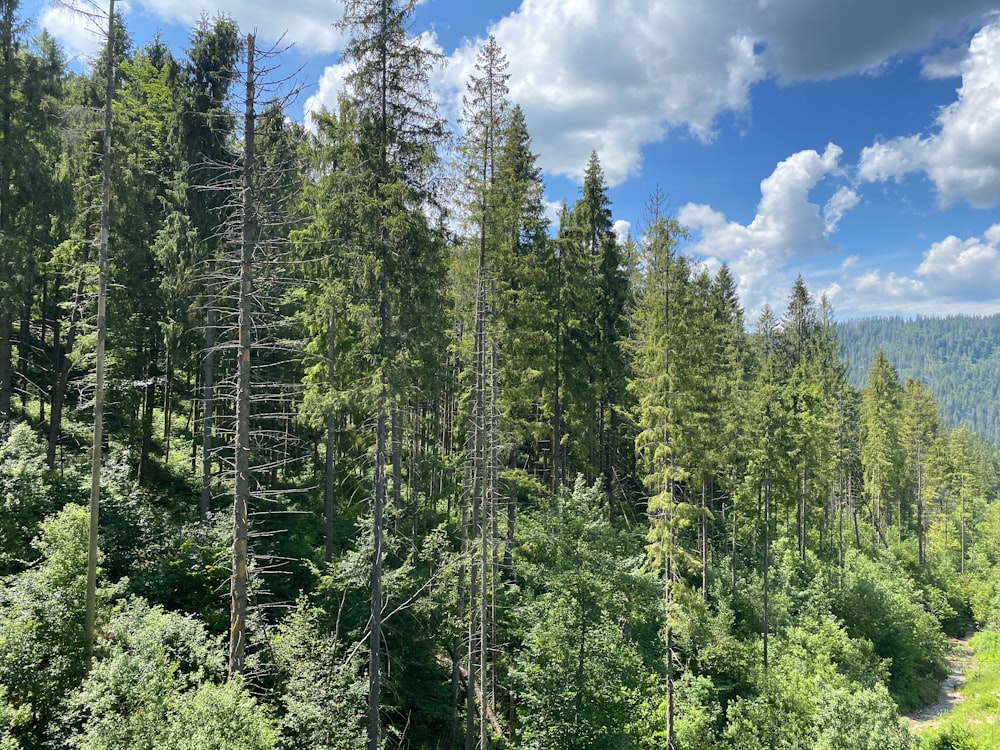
x=6, y=375
x=6, y=111
x=241, y=496
x=767, y=561
x=331, y=437
x=397, y=462
x=375, y=639
x=208, y=396
x=148, y=405
x=23, y=346
x=920, y=507
x=90, y=616
x=168, y=413
x=703, y=533
x=63, y=365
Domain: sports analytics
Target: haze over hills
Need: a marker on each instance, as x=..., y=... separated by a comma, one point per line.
x=957, y=357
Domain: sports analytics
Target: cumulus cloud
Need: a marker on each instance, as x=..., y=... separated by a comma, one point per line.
x=331, y=84
x=591, y=79
x=615, y=79
x=787, y=226
x=968, y=269
x=839, y=204
x=819, y=40
x=623, y=230
x=334, y=78
x=310, y=24
x=954, y=275
x=961, y=158
x=80, y=25
x=944, y=64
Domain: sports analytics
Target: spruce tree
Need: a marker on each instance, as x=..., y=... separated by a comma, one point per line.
x=399, y=259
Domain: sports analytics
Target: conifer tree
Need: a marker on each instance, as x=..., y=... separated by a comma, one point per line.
x=485, y=115
x=920, y=430
x=524, y=297
x=659, y=345
x=881, y=455
x=399, y=261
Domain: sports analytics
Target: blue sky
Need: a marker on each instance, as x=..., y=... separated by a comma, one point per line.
x=854, y=142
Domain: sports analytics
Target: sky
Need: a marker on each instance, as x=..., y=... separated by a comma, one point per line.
x=853, y=142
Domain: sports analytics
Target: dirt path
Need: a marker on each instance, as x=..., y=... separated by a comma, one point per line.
x=960, y=662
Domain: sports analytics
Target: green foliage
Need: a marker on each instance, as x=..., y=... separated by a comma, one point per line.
x=956, y=356
x=323, y=689
x=877, y=601
x=156, y=684
x=736, y=491
x=29, y=491
x=580, y=676
x=821, y=692
x=41, y=627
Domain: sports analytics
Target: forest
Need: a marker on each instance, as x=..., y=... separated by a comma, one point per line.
x=957, y=357
x=326, y=437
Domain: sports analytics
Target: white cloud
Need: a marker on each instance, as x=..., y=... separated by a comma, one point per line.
x=839, y=204
x=787, y=226
x=309, y=24
x=944, y=64
x=592, y=78
x=954, y=276
x=331, y=84
x=622, y=230
x=334, y=78
x=962, y=158
x=967, y=269
x=615, y=78
x=80, y=25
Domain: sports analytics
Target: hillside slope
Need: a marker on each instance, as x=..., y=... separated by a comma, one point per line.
x=957, y=357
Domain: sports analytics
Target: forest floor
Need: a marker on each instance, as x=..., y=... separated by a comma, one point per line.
x=961, y=662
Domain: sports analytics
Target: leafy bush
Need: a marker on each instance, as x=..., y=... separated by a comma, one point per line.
x=157, y=684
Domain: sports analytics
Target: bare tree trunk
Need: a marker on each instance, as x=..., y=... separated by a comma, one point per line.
x=63, y=365
x=670, y=656
x=397, y=462
x=735, y=521
x=767, y=561
x=920, y=506
x=6, y=111
x=90, y=618
x=241, y=496
x=375, y=639
x=208, y=395
x=6, y=375
x=23, y=344
x=331, y=436
x=146, y=424
x=703, y=533
x=168, y=380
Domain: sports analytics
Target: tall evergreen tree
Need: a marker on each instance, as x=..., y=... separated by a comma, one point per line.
x=881, y=457
x=399, y=261
x=485, y=114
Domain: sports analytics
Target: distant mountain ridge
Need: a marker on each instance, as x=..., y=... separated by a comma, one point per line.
x=957, y=357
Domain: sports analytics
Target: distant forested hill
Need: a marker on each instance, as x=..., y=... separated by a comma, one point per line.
x=958, y=358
